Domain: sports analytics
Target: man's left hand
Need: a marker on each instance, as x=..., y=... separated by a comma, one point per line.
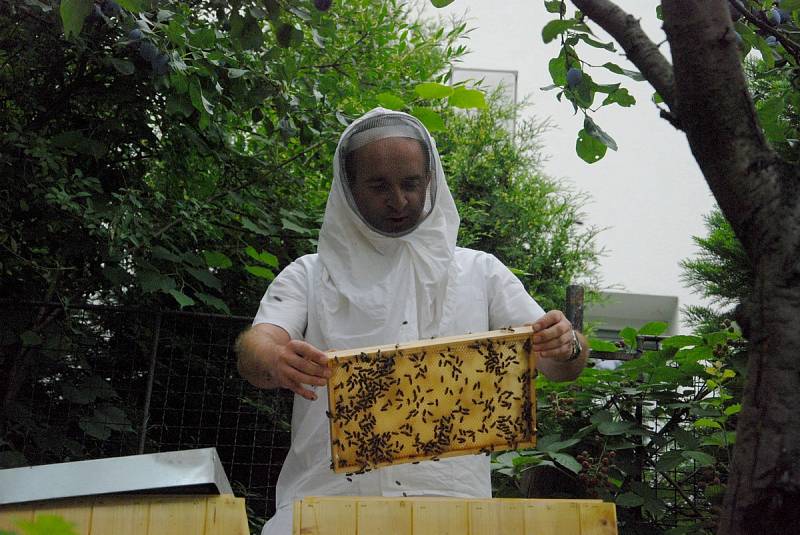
x=552, y=338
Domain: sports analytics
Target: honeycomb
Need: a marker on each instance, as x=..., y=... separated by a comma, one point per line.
x=431, y=399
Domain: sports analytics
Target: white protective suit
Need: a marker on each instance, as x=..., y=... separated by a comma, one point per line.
x=365, y=288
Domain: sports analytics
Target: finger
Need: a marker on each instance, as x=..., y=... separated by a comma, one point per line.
x=557, y=354
x=298, y=389
x=552, y=333
x=296, y=376
x=309, y=352
x=560, y=341
x=550, y=318
x=308, y=367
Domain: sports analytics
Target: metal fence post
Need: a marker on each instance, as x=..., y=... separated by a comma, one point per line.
x=150, y=378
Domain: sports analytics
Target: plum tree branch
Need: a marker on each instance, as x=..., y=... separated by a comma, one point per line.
x=718, y=116
x=639, y=49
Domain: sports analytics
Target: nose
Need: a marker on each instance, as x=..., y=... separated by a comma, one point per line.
x=397, y=199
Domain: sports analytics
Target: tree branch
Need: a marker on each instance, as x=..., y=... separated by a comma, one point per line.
x=719, y=118
x=639, y=49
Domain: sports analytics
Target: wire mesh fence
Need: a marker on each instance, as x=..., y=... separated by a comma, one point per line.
x=98, y=381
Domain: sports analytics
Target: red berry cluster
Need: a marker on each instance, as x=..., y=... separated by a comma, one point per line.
x=594, y=475
x=562, y=405
x=708, y=476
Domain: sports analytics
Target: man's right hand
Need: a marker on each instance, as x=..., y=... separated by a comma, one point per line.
x=269, y=358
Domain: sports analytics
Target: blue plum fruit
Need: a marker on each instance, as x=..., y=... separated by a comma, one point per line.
x=574, y=76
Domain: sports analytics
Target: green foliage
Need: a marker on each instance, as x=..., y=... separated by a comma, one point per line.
x=510, y=208
x=776, y=69
x=43, y=525
x=653, y=435
x=146, y=180
x=720, y=272
x=164, y=157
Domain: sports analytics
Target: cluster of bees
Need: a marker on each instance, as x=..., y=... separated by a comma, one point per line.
x=395, y=406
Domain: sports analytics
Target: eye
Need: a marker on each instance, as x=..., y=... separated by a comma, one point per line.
x=411, y=184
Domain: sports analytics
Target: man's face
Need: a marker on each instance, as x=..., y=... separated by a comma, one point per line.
x=389, y=183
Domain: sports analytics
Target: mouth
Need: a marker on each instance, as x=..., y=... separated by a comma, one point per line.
x=398, y=220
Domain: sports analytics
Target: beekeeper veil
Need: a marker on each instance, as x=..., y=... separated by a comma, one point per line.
x=378, y=284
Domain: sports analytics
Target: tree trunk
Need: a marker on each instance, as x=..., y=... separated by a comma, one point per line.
x=706, y=92
x=764, y=487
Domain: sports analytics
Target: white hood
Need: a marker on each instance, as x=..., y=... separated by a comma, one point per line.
x=377, y=289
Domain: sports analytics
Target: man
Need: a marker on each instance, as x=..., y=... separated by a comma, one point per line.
x=387, y=271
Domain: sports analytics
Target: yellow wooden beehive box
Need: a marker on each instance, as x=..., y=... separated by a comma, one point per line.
x=137, y=515
x=359, y=515
x=431, y=399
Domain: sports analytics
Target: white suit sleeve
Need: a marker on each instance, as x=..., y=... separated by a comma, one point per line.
x=509, y=303
x=285, y=302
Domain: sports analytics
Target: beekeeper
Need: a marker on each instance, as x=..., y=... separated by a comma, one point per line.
x=387, y=270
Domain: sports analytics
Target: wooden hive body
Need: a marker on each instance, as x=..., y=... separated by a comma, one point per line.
x=137, y=515
x=360, y=515
x=435, y=398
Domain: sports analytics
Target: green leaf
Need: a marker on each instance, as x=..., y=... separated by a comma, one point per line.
x=198, y=100
x=263, y=257
x=595, y=131
x=555, y=6
x=733, y=409
x=47, y=525
x=589, y=148
x=246, y=32
x=432, y=90
x=94, y=428
x=602, y=345
x=123, y=66
x=73, y=14
x=618, y=427
x=554, y=28
x=766, y=52
x=467, y=98
x=653, y=328
x=432, y=120
x=561, y=445
x=213, y=302
x=203, y=38
x=288, y=224
x=769, y=115
x=182, y=299
x=681, y=340
x=567, y=461
x=30, y=339
x=720, y=438
x=628, y=335
x=260, y=271
x=152, y=281
x=441, y=3
x=596, y=44
x=134, y=6
x=390, y=101
x=634, y=75
x=206, y=277
x=629, y=499
x=790, y=5
x=620, y=97
x=670, y=461
x=216, y=259
x=701, y=458
x=600, y=417
x=558, y=69
x=707, y=423
x=164, y=254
